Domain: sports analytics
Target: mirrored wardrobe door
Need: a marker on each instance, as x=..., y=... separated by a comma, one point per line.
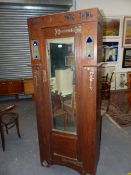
x=61, y=71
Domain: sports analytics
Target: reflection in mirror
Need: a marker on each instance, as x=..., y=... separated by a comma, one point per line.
x=61, y=66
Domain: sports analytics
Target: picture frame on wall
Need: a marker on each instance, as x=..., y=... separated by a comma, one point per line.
x=110, y=51
x=127, y=32
x=126, y=58
x=111, y=27
x=121, y=80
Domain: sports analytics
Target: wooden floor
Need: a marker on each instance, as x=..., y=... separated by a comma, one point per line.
x=22, y=155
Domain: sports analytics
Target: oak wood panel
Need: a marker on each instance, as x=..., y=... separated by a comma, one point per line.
x=64, y=144
x=88, y=123
x=43, y=113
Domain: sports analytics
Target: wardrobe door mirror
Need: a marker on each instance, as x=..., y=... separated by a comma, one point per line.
x=61, y=71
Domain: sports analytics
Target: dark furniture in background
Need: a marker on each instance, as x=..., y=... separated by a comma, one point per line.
x=129, y=90
x=78, y=150
x=11, y=87
x=120, y=98
x=16, y=87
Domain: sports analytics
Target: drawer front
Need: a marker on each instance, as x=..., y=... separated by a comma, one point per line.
x=3, y=87
x=15, y=87
x=11, y=87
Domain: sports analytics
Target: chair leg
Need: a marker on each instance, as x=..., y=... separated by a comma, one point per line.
x=65, y=120
x=17, y=127
x=2, y=138
x=54, y=122
x=6, y=129
x=108, y=105
x=129, y=105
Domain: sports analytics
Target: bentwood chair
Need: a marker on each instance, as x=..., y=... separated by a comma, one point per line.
x=57, y=108
x=128, y=84
x=69, y=105
x=7, y=121
x=106, y=89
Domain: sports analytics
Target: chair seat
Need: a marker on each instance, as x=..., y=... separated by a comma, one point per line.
x=68, y=103
x=59, y=113
x=9, y=117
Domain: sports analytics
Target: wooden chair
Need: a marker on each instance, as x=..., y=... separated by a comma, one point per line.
x=69, y=105
x=7, y=121
x=105, y=90
x=57, y=107
x=129, y=90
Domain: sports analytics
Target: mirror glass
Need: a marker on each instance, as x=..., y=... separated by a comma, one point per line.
x=61, y=72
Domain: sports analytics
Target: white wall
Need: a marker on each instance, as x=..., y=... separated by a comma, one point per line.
x=116, y=8
x=111, y=7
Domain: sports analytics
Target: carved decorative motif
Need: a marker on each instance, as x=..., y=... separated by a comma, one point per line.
x=91, y=76
x=86, y=14
x=83, y=15
x=71, y=30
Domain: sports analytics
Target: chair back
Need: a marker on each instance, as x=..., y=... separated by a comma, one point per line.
x=56, y=101
x=106, y=86
x=8, y=108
